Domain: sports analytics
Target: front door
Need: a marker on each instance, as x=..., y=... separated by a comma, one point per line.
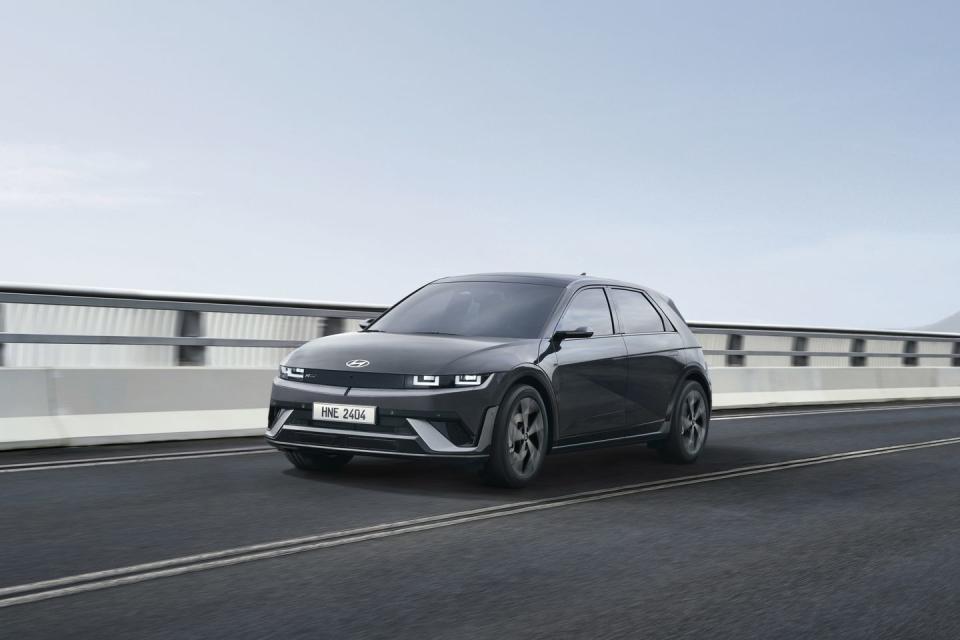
x=591, y=375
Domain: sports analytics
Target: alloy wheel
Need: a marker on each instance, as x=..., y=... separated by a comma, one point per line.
x=525, y=438
x=693, y=421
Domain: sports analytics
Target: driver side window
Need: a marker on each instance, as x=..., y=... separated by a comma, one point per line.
x=589, y=309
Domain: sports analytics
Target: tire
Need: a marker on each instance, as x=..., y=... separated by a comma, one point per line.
x=309, y=461
x=689, y=425
x=520, y=439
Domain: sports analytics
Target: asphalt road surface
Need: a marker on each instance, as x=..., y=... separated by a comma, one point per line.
x=832, y=524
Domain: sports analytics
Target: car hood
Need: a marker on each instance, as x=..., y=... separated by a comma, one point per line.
x=414, y=353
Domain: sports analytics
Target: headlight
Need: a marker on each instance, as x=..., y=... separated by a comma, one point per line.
x=426, y=381
x=463, y=380
x=291, y=373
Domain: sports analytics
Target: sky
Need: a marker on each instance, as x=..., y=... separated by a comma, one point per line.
x=774, y=162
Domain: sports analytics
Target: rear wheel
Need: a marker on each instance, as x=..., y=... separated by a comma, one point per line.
x=317, y=461
x=688, y=425
x=519, y=439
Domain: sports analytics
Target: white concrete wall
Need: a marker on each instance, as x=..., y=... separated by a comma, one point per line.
x=67, y=407
x=742, y=387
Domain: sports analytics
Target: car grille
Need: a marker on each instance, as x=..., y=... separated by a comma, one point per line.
x=361, y=380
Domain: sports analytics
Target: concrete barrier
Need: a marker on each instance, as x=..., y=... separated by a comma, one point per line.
x=741, y=387
x=68, y=407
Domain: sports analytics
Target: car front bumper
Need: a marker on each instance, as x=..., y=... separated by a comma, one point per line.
x=412, y=423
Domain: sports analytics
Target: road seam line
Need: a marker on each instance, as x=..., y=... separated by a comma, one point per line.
x=214, y=453
x=153, y=457
x=815, y=412
x=189, y=564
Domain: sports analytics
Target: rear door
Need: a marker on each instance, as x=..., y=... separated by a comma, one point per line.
x=591, y=372
x=654, y=361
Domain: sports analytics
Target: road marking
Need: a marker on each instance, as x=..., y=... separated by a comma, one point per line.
x=147, y=457
x=216, y=453
x=69, y=585
x=816, y=412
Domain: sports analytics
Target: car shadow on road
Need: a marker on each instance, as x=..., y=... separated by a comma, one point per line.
x=562, y=473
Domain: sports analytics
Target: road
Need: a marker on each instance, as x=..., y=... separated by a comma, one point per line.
x=840, y=523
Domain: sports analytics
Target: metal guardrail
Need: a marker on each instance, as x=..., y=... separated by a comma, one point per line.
x=189, y=338
x=162, y=341
x=78, y=296
x=904, y=346
x=820, y=332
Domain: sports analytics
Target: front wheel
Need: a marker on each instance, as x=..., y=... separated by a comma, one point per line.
x=519, y=439
x=688, y=425
x=310, y=461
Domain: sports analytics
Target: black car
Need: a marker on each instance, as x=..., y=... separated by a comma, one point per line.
x=503, y=368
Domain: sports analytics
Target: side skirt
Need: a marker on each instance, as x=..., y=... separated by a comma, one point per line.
x=615, y=439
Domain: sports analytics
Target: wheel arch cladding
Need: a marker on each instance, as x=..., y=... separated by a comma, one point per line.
x=690, y=374
x=698, y=376
x=533, y=380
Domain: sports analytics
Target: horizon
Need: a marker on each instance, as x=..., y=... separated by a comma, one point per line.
x=757, y=164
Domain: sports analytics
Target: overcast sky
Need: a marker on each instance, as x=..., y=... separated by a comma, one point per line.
x=790, y=162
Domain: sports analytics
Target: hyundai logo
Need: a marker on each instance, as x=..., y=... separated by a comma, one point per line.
x=356, y=364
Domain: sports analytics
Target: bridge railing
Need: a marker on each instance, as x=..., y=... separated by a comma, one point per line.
x=742, y=345
x=90, y=366
x=70, y=326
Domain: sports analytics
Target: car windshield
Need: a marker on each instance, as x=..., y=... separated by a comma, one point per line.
x=490, y=309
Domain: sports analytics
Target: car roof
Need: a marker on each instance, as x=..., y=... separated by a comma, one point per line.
x=554, y=279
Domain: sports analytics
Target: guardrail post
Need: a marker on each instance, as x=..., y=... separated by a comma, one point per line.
x=333, y=325
x=799, y=344
x=735, y=343
x=858, y=345
x=909, y=346
x=955, y=362
x=190, y=325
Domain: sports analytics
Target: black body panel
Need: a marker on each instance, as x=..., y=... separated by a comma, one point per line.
x=591, y=385
x=613, y=387
x=653, y=367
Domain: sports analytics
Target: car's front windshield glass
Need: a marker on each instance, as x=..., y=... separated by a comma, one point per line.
x=494, y=309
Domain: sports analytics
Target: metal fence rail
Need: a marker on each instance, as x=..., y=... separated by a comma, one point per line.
x=191, y=329
x=57, y=326
x=735, y=345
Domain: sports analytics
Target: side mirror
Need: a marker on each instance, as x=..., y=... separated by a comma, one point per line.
x=579, y=332
x=366, y=324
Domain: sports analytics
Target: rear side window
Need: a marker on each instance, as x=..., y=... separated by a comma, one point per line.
x=589, y=309
x=637, y=315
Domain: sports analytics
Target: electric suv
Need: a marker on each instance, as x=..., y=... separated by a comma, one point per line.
x=502, y=368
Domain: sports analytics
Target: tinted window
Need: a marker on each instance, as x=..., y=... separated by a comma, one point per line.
x=588, y=309
x=637, y=315
x=495, y=309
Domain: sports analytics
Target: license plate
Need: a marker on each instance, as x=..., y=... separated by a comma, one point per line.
x=344, y=413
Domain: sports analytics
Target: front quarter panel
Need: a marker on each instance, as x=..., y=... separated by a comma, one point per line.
x=539, y=379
